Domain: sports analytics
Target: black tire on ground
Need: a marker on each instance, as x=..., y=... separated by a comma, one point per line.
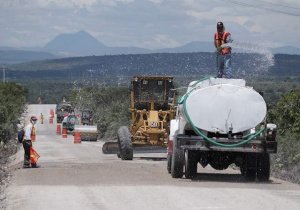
x=177, y=161
x=169, y=163
x=250, y=167
x=263, y=167
x=125, y=144
x=190, y=164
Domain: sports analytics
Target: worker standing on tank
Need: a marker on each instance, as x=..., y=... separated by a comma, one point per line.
x=27, y=143
x=223, y=51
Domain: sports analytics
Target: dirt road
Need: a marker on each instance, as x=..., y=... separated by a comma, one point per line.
x=79, y=176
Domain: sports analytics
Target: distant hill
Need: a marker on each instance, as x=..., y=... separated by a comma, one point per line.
x=83, y=44
x=75, y=44
x=286, y=50
x=11, y=56
x=195, y=46
x=180, y=64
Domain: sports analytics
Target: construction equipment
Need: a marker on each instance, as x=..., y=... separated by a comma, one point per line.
x=220, y=122
x=69, y=123
x=152, y=107
x=86, y=117
x=87, y=132
x=62, y=110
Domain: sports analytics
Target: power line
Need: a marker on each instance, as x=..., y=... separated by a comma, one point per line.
x=264, y=7
x=280, y=5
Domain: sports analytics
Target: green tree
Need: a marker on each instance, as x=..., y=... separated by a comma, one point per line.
x=12, y=101
x=286, y=114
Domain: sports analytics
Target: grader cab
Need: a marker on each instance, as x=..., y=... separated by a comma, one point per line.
x=152, y=101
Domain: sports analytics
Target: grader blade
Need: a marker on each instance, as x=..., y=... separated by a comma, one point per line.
x=113, y=148
x=110, y=148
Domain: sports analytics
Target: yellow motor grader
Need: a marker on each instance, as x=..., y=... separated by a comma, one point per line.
x=152, y=106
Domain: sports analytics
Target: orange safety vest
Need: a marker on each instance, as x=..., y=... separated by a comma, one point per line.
x=221, y=39
x=32, y=135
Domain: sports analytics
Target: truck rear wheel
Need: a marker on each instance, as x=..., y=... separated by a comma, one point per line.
x=263, y=167
x=249, y=167
x=125, y=144
x=190, y=164
x=177, y=161
x=169, y=163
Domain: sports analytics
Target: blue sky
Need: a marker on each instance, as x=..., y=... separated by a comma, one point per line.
x=150, y=24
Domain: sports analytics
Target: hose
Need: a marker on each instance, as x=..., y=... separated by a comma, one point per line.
x=246, y=138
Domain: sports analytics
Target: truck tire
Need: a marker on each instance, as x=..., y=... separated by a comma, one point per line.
x=169, y=163
x=177, y=161
x=190, y=164
x=125, y=144
x=263, y=167
x=250, y=167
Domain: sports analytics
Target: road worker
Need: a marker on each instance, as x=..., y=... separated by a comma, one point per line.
x=223, y=51
x=42, y=118
x=27, y=141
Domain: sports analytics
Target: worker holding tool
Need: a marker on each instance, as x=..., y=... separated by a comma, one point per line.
x=42, y=118
x=27, y=142
x=223, y=51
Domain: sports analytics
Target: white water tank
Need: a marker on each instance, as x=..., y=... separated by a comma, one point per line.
x=223, y=105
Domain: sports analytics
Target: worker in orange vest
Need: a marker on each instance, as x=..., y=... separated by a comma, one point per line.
x=223, y=51
x=27, y=142
x=42, y=118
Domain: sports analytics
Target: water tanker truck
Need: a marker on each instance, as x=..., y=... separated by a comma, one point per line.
x=220, y=122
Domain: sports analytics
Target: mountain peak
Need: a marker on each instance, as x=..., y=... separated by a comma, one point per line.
x=80, y=42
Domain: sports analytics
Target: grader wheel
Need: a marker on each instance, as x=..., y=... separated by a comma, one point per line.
x=125, y=144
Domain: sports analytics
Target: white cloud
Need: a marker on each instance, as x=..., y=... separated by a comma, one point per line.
x=144, y=23
x=156, y=1
x=165, y=40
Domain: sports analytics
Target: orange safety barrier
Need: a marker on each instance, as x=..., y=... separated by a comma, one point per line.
x=64, y=133
x=77, y=137
x=58, y=129
x=34, y=156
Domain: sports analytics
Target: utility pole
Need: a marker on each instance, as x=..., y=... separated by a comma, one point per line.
x=3, y=69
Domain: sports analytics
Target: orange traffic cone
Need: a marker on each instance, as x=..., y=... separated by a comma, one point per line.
x=64, y=133
x=77, y=138
x=58, y=129
x=51, y=112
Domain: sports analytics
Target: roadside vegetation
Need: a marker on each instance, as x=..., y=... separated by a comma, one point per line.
x=12, y=103
x=110, y=106
x=286, y=114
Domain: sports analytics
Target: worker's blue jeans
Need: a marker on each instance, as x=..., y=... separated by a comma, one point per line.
x=224, y=66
